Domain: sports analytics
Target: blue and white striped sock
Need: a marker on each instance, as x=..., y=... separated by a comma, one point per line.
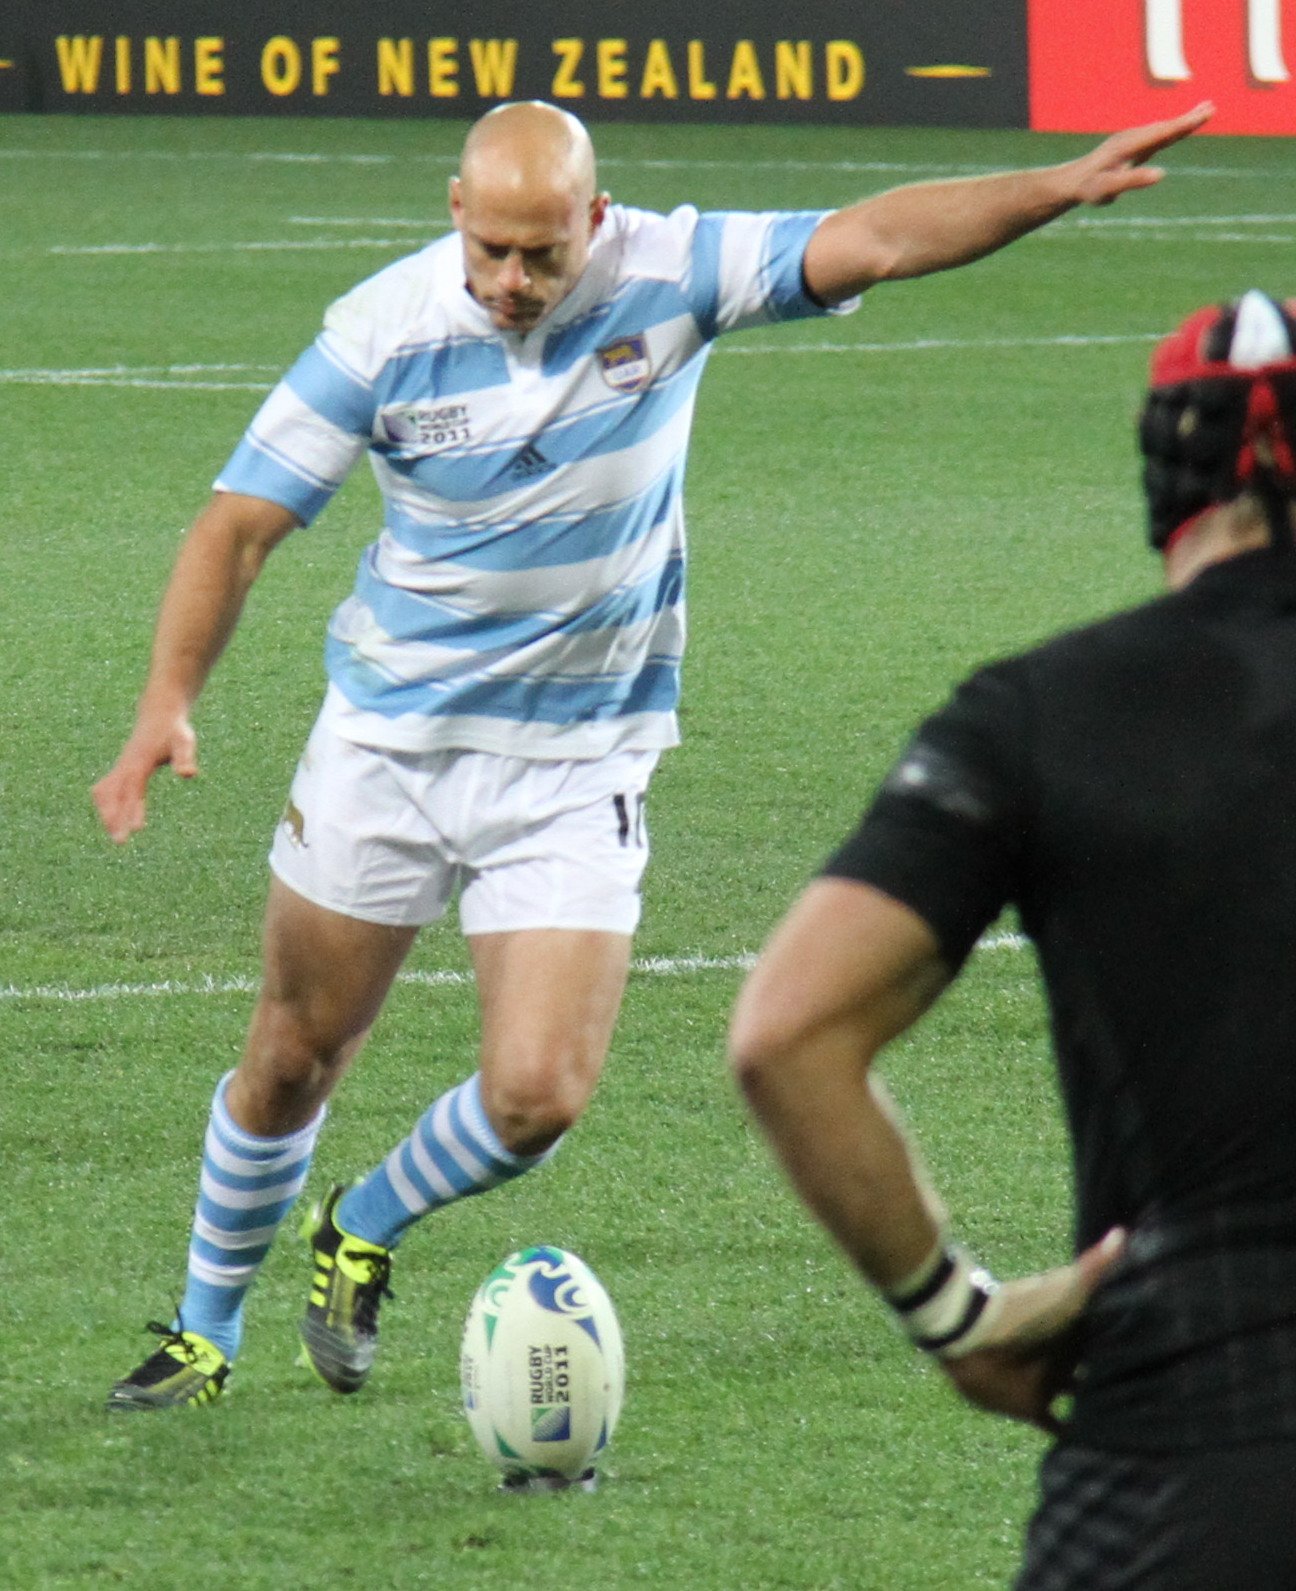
x=453, y=1152
x=248, y=1185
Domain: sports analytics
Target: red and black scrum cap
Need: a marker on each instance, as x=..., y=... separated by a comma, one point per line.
x=1220, y=414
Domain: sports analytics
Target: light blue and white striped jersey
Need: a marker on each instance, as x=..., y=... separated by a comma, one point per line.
x=526, y=594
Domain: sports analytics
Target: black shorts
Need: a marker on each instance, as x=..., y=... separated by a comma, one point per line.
x=1216, y=1520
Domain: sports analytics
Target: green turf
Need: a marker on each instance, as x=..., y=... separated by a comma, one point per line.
x=864, y=527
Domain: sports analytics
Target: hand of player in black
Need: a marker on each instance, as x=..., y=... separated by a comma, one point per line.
x=1021, y=1360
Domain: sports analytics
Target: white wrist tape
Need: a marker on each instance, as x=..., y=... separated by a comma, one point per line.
x=943, y=1302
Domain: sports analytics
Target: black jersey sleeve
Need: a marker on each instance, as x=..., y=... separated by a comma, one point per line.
x=945, y=830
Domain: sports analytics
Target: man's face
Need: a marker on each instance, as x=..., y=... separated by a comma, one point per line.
x=523, y=253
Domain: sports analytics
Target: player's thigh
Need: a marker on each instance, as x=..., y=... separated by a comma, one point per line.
x=325, y=978
x=549, y=999
x=549, y=914
x=325, y=971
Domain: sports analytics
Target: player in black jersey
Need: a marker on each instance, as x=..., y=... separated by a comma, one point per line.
x=1131, y=790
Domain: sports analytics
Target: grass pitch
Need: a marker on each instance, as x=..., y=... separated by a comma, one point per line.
x=876, y=503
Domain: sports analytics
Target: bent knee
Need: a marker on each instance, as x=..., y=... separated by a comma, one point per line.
x=292, y=1062
x=757, y=1044
x=530, y=1110
x=291, y=1041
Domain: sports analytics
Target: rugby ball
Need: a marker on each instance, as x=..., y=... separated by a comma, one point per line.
x=542, y=1367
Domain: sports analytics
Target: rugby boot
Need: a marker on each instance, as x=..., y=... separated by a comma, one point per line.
x=186, y=1371
x=339, y=1330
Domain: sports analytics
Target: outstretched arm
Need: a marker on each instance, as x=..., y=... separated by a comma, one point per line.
x=933, y=226
x=848, y=970
x=218, y=560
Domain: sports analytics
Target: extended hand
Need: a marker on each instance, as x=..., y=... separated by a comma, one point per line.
x=1019, y=1361
x=120, y=794
x=1119, y=164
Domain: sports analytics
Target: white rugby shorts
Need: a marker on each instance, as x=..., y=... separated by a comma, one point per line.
x=389, y=836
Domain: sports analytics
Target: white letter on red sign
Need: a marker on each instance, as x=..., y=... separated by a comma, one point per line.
x=1264, y=41
x=1163, y=29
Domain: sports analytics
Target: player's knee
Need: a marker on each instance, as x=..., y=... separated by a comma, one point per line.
x=757, y=1046
x=531, y=1108
x=291, y=1062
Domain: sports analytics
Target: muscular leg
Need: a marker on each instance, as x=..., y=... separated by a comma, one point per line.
x=549, y=1000
x=325, y=978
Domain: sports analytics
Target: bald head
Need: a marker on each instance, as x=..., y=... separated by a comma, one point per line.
x=527, y=209
x=519, y=149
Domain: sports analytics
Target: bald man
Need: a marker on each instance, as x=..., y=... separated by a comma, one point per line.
x=504, y=675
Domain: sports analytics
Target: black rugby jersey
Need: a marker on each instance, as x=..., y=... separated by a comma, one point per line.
x=1131, y=789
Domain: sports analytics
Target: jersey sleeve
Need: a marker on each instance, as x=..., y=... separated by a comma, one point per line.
x=944, y=833
x=746, y=270
x=314, y=425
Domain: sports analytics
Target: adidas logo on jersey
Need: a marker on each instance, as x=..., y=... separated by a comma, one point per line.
x=530, y=462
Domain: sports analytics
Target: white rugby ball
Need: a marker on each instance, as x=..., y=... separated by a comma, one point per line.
x=542, y=1366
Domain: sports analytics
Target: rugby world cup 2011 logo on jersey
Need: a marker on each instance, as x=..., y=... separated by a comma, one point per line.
x=626, y=364
x=425, y=426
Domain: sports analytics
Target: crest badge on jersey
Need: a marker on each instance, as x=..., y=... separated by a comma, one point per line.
x=626, y=364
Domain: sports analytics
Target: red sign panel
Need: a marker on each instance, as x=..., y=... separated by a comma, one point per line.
x=1098, y=65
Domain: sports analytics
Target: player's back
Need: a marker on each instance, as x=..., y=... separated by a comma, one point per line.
x=1160, y=886
x=1161, y=890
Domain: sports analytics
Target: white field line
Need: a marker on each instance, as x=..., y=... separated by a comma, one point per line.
x=651, y=966
x=434, y=158
x=415, y=222
x=71, y=379
x=211, y=378
x=1136, y=233
x=1106, y=221
x=941, y=344
x=288, y=157
x=1169, y=230
x=170, y=378
x=1284, y=239
x=1129, y=229
x=1098, y=223
x=265, y=246
x=152, y=370
x=613, y=162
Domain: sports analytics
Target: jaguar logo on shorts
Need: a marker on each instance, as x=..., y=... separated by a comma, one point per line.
x=626, y=364
x=295, y=823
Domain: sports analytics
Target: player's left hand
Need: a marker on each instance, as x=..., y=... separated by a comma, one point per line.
x=1119, y=164
x=1022, y=1361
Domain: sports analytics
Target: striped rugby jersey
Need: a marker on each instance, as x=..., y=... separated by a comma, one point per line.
x=526, y=594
